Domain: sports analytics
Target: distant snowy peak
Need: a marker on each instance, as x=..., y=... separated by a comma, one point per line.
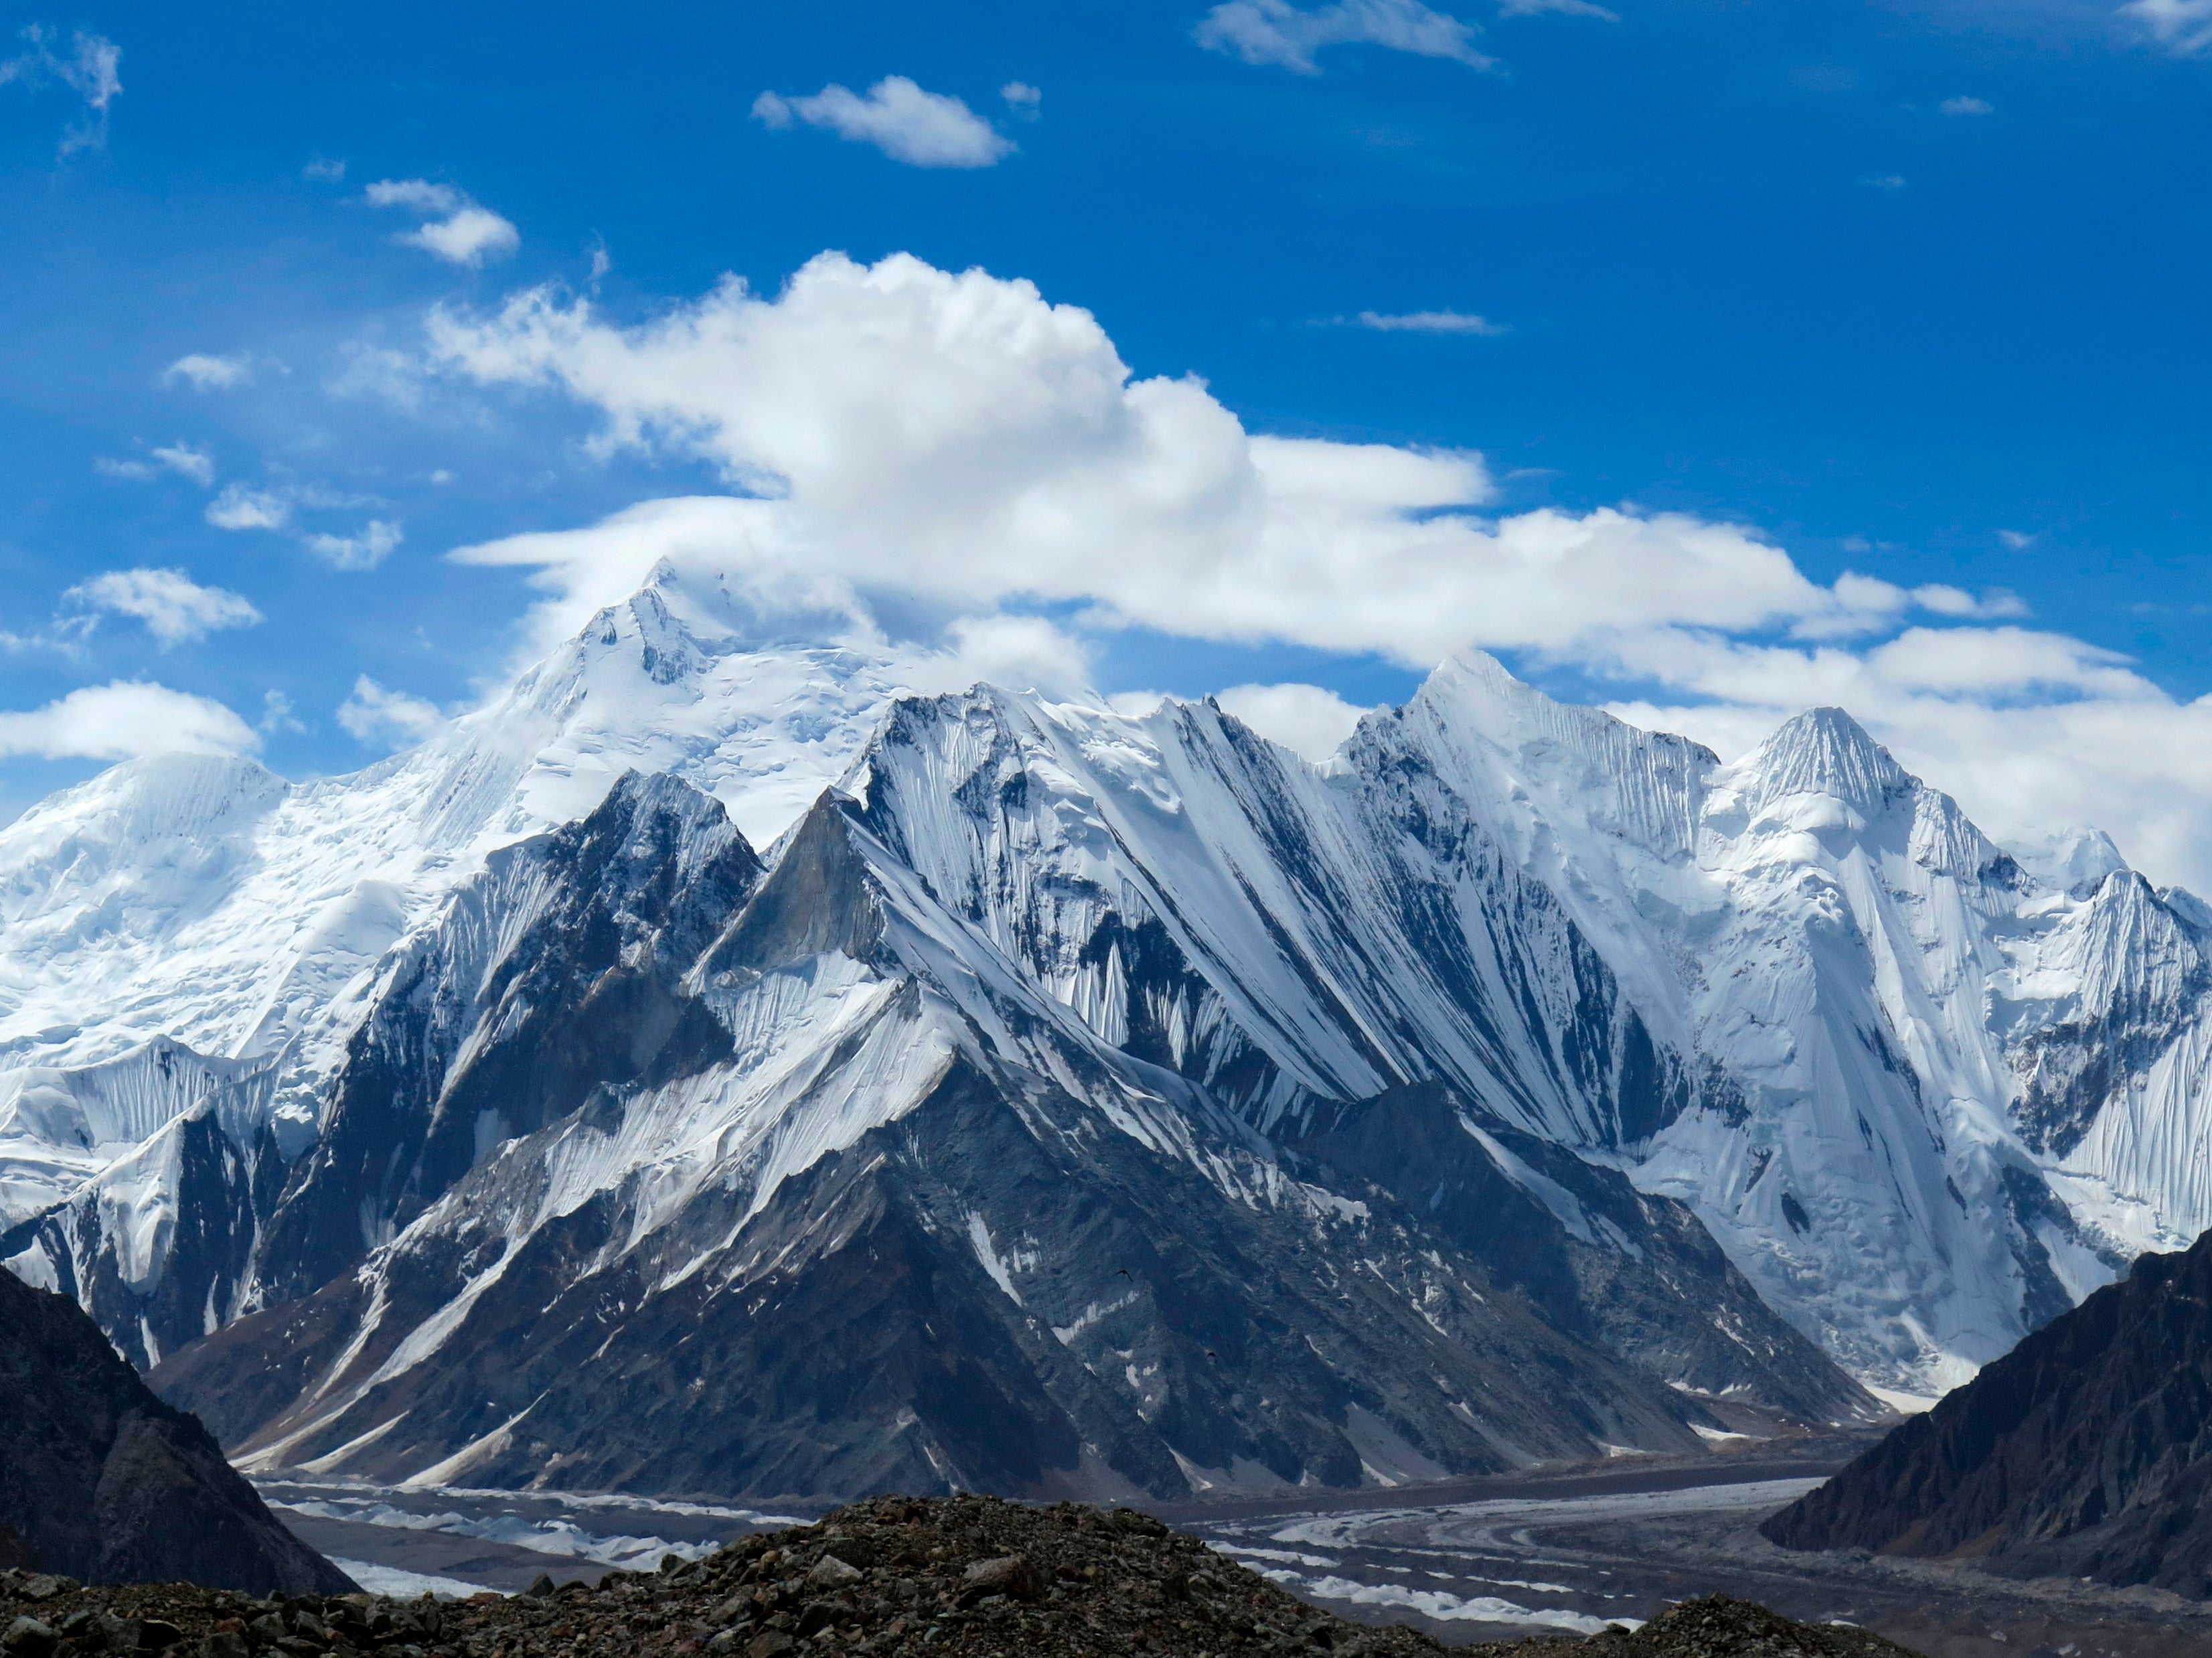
x=686, y=677
x=2074, y=859
x=1473, y=721
x=1823, y=751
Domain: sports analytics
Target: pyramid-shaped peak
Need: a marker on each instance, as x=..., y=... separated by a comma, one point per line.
x=1823, y=751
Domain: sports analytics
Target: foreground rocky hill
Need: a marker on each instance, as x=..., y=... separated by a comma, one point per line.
x=2085, y=1452
x=98, y=1478
x=961, y=1576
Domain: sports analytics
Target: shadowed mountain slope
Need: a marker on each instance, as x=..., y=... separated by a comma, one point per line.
x=100, y=1480
x=2085, y=1451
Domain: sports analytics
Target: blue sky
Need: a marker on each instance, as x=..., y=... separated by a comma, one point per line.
x=1910, y=292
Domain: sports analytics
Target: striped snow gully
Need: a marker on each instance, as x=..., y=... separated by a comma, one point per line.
x=1840, y=994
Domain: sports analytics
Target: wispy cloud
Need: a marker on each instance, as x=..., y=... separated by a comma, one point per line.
x=921, y=129
x=1426, y=322
x=241, y=507
x=1565, y=8
x=375, y=542
x=1967, y=106
x=1022, y=98
x=458, y=230
x=384, y=718
x=323, y=170
x=89, y=69
x=180, y=458
x=2182, y=26
x=1885, y=181
x=175, y=609
x=1278, y=33
x=277, y=715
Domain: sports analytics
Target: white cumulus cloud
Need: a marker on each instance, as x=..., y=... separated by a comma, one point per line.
x=239, y=507
x=1278, y=34
x=123, y=719
x=910, y=441
x=1306, y=719
x=175, y=609
x=954, y=437
x=922, y=129
x=386, y=719
x=205, y=372
x=458, y=231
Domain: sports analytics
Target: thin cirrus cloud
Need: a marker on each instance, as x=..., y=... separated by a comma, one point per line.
x=175, y=609
x=241, y=507
x=1277, y=34
x=2182, y=26
x=386, y=719
x=376, y=541
x=180, y=458
x=457, y=230
x=919, y=128
x=89, y=68
x=1958, y=106
x=122, y=720
x=1563, y=8
x=905, y=440
x=1427, y=322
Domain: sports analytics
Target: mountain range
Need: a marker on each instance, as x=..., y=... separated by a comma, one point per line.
x=721, y=1065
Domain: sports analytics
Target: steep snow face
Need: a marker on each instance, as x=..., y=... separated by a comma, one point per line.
x=1846, y=988
x=208, y=903
x=1212, y=904
x=1942, y=1099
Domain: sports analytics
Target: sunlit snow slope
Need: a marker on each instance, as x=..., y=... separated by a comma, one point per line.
x=309, y=1056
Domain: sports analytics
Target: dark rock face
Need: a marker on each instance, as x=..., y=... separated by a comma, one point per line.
x=1634, y=1274
x=871, y=1349
x=100, y=1480
x=2086, y=1451
x=552, y=973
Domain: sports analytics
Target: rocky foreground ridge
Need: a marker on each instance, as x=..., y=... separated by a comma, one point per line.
x=100, y=1477
x=960, y=1575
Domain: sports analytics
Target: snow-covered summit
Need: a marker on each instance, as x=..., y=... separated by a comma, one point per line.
x=1921, y=1092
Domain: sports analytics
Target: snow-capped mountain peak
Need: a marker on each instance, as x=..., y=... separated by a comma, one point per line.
x=1821, y=751
x=1919, y=1098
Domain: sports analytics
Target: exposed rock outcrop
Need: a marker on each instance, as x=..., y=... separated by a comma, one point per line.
x=2085, y=1452
x=100, y=1480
